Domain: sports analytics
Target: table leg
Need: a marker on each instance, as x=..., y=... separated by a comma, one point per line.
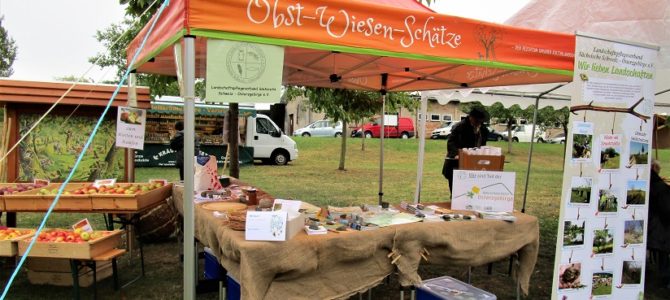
x=11, y=219
x=75, y=278
x=141, y=256
x=110, y=224
x=115, y=275
x=94, y=267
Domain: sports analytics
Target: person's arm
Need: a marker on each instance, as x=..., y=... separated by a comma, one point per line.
x=177, y=142
x=454, y=143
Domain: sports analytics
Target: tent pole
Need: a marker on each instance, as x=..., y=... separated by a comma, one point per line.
x=422, y=148
x=381, y=139
x=532, y=142
x=130, y=153
x=189, y=153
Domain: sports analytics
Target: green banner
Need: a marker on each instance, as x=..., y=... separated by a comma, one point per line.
x=160, y=155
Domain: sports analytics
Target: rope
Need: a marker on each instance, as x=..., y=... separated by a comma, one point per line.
x=6, y=154
x=81, y=155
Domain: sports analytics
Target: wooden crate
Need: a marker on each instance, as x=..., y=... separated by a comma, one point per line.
x=33, y=201
x=2, y=197
x=132, y=202
x=480, y=162
x=10, y=247
x=43, y=264
x=73, y=250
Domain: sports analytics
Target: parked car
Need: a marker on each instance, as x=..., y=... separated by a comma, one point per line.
x=443, y=131
x=494, y=135
x=522, y=133
x=405, y=129
x=558, y=139
x=321, y=128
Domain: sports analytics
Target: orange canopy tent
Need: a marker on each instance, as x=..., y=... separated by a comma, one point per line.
x=348, y=44
x=352, y=44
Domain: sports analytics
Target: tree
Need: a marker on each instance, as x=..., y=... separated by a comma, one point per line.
x=7, y=52
x=348, y=106
x=508, y=116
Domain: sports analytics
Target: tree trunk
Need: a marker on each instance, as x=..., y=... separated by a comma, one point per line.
x=363, y=139
x=509, y=136
x=233, y=139
x=343, y=150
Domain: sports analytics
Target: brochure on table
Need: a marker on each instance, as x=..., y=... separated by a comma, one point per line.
x=602, y=227
x=483, y=191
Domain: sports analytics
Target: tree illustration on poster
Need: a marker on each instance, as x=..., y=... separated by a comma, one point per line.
x=606, y=180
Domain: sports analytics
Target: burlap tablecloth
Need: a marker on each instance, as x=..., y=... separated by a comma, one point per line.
x=340, y=265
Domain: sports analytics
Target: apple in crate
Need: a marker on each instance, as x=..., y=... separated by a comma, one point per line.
x=10, y=233
x=19, y=187
x=69, y=236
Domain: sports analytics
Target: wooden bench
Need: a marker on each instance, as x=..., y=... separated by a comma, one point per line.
x=77, y=264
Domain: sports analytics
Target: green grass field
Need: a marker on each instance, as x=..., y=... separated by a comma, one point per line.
x=314, y=177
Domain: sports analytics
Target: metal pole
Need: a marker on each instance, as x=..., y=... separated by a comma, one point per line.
x=422, y=148
x=381, y=140
x=532, y=143
x=189, y=153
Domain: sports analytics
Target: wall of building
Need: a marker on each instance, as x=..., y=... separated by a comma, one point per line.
x=299, y=115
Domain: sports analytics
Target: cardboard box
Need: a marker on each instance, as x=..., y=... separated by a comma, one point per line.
x=56, y=265
x=480, y=162
x=73, y=250
x=10, y=247
x=65, y=278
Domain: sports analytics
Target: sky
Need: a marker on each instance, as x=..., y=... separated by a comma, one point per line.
x=55, y=38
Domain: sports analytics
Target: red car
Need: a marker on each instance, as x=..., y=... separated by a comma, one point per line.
x=405, y=129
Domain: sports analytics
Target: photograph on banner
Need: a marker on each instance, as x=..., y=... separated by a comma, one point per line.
x=574, y=233
x=610, y=152
x=570, y=276
x=609, y=195
x=582, y=142
x=636, y=192
x=631, y=273
x=603, y=242
x=638, y=154
x=581, y=190
x=633, y=233
x=601, y=286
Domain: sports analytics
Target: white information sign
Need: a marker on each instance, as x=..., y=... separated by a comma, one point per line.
x=266, y=226
x=130, y=127
x=243, y=72
x=483, y=191
x=600, y=253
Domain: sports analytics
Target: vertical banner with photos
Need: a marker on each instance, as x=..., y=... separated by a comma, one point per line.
x=600, y=253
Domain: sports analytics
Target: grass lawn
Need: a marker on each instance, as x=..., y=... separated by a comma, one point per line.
x=314, y=177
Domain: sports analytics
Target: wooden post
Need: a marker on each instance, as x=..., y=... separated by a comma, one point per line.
x=233, y=140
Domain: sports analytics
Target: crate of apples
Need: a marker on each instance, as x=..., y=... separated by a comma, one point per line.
x=7, y=189
x=41, y=199
x=127, y=196
x=9, y=238
x=76, y=244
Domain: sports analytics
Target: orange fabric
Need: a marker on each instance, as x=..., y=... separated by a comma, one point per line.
x=171, y=21
x=372, y=26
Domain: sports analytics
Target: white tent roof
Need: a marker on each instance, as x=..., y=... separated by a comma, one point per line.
x=646, y=21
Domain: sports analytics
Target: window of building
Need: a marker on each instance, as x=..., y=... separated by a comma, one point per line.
x=446, y=118
x=434, y=117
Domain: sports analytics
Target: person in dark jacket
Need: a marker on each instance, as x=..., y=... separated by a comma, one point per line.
x=177, y=144
x=468, y=133
x=658, y=231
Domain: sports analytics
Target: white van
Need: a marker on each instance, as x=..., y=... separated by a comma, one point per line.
x=270, y=144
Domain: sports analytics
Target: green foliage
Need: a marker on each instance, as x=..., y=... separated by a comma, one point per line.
x=350, y=105
x=72, y=78
x=7, y=52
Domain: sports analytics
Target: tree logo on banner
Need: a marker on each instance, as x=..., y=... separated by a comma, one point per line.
x=246, y=62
